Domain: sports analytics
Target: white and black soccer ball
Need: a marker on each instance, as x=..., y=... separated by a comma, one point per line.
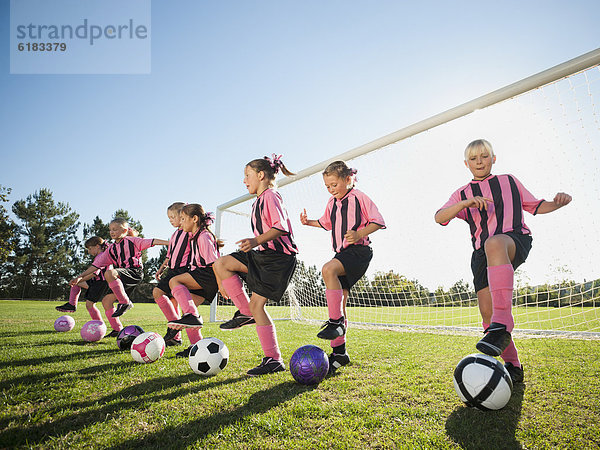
x=208, y=356
x=148, y=347
x=482, y=382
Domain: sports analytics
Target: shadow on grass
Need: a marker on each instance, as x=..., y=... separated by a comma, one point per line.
x=9, y=334
x=190, y=433
x=132, y=399
x=67, y=357
x=473, y=429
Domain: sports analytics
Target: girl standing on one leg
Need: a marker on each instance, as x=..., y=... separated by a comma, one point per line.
x=200, y=277
x=268, y=269
x=351, y=216
x=493, y=207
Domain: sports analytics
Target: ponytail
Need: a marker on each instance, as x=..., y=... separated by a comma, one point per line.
x=270, y=166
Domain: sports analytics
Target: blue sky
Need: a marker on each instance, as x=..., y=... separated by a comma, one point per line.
x=235, y=80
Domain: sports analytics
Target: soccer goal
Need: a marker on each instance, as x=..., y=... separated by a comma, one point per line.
x=545, y=130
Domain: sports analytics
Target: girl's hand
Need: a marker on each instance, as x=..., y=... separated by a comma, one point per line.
x=74, y=281
x=478, y=202
x=352, y=236
x=303, y=218
x=246, y=245
x=561, y=199
x=158, y=273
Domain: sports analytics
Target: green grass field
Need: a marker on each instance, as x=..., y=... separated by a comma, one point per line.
x=59, y=392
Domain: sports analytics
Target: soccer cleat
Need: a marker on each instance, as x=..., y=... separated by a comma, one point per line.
x=171, y=339
x=67, y=307
x=516, y=373
x=187, y=321
x=332, y=329
x=268, y=365
x=336, y=361
x=495, y=341
x=184, y=353
x=122, y=308
x=238, y=321
x=113, y=333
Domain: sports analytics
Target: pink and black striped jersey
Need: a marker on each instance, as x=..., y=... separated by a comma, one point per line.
x=268, y=212
x=125, y=253
x=178, y=251
x=204, y=249
x=353, y=212
x=505, y=214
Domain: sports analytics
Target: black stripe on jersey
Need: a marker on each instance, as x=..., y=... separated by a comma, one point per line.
x=470, y=220
x=332, y=218
x=357, y=214
x=498, y=203
x=484, y=216
x=113, y=253
x=517, y=206
x=182, y=249
x=132, y=253
x=257, y=213
x=344, y=214
x=196, y=249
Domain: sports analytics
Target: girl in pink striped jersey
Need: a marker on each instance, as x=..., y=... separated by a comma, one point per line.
x=493, y=207
x=124, y=254
x=94, y=283
x=351, y=216
x=266, y=270
x=199, y=277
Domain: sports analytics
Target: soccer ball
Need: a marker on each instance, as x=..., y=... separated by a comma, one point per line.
x=208, y=356
x=64, y=323
x=309, y=365
x=127, y=335
x=148, y=347
x=93, y=331
x=481, y=381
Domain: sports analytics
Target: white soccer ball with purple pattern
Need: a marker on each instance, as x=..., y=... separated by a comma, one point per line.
x=64, y=323
x=148, y=347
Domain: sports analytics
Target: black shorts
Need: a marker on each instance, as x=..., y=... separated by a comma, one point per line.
x=205, y=277
x=355, y=259
x=97, y=290
x=479, y=260
x=269, y=272
x=163, y=283
x=130, y=277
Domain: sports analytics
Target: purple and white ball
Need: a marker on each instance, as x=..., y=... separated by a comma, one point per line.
x=64, y=323
x=93, y=331
x=127, y=335
x=309, y=365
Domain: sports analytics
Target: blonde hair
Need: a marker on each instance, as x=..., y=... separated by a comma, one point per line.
x=176, y=207
x=478, y=146
x=123, y=222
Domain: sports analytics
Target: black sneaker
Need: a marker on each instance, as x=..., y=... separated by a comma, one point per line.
x=184, y=353
x=113, y=333
x=332, y=329
x=122, y=308
x=171, y=339
x=268, y=365
x=238, y=321
x=336, y=361
x=516, y=373
x=495, y=341
x=187, y=321
x=67, y=307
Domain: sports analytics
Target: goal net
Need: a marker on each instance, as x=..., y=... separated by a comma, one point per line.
x=545, y=130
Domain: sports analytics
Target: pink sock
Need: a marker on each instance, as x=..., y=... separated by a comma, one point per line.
x=341, y=339
x=94, y=312
x=119, y=291
x=194, y=335
x=114, y=322
x=510, y=355
x=234, y=288
x=184, y=298
x=335, y=299
x=74, y=295
x=165, y=305
x=500, y=279
x=268, y=341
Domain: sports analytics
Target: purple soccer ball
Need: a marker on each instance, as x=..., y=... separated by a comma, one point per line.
x=309, y=365
x=93, y=331
x=127, y=335
x=64, y=323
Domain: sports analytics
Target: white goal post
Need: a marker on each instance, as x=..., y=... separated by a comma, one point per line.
x=551, y=116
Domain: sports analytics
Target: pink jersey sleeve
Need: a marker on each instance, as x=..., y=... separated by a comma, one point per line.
x=325, y=220
x=370, y=210
x=453, y=200
x=103, y=260
x=275, y=216
x=529, y=201
x=207, y=248
x=141, y=244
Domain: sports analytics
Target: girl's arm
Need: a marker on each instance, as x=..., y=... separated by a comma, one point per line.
x=561, y=199
x=161, y=269
x=309, y=222
x=443, y=216
x=354, y=236
x=246, y=245
x=90, y=270
x=159, y=242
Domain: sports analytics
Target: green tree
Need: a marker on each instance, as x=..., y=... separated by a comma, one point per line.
x=8, y=229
